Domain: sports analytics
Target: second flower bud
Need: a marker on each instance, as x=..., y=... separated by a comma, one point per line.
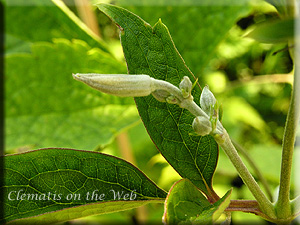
x=202, y=126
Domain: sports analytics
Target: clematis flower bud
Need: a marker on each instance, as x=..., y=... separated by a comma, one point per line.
x=207, y=100
x=202, y=126
x=172, y=100
x=161, y=95
x=119, y=84
x=186, y=86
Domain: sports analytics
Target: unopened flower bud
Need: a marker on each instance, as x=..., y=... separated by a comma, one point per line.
x=119, y=84
x=161, y=95
x=202, y=126
x=207, y=100
x=186, y=86
x=172, y=100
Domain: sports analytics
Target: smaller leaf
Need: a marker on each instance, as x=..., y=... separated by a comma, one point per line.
x=273, y=32
x=185, y=204
x=295, y=204
x=211, y=215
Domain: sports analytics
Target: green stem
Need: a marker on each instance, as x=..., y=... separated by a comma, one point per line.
x=290, y=4
x=224, y=141
x=254, y=167
x=264, y=203
x=283, y=203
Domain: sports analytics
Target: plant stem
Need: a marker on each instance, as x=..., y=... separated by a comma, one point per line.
x=264, y=203
x=254, y=167
x=283, y=203
x=248, y=206
x=224, y=141
x=291, y=9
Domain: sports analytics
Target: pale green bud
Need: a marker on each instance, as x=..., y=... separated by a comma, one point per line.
x=207, y=100
x=186, y=86
x=161, y=95
x=202, y=126
x=119, y=84
x=172, y=100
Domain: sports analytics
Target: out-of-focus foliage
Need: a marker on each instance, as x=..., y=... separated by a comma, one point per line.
x=277, y=31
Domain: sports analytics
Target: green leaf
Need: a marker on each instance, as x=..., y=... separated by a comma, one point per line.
x=183, y=202
x=58, y=185
x=186, y=205
x=46, y=107
x=56, y=20
x=151, y=51
x=273, y=32
x=211, y=215
x=295, y=205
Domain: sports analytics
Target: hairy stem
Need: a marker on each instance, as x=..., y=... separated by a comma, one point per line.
x=264, y=203
x=225, y=142
x=172, y=89
x=283, y=203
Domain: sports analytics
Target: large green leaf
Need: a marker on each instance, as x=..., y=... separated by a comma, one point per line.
x=151, y=51
x=197, y=26
x=57, y=185
x=45, y=107
x=43, y=20
x=186, y=205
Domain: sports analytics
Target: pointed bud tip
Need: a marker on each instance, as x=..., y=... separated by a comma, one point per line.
x=87, y=77
x=186, y=86
x=202, y=126
x=77, y=76
x=207, y=100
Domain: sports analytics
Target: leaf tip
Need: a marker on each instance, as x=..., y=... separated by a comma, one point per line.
x=105, y=8
x=101, y=5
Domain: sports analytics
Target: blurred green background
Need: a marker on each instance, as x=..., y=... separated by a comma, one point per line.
x=252, y=81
